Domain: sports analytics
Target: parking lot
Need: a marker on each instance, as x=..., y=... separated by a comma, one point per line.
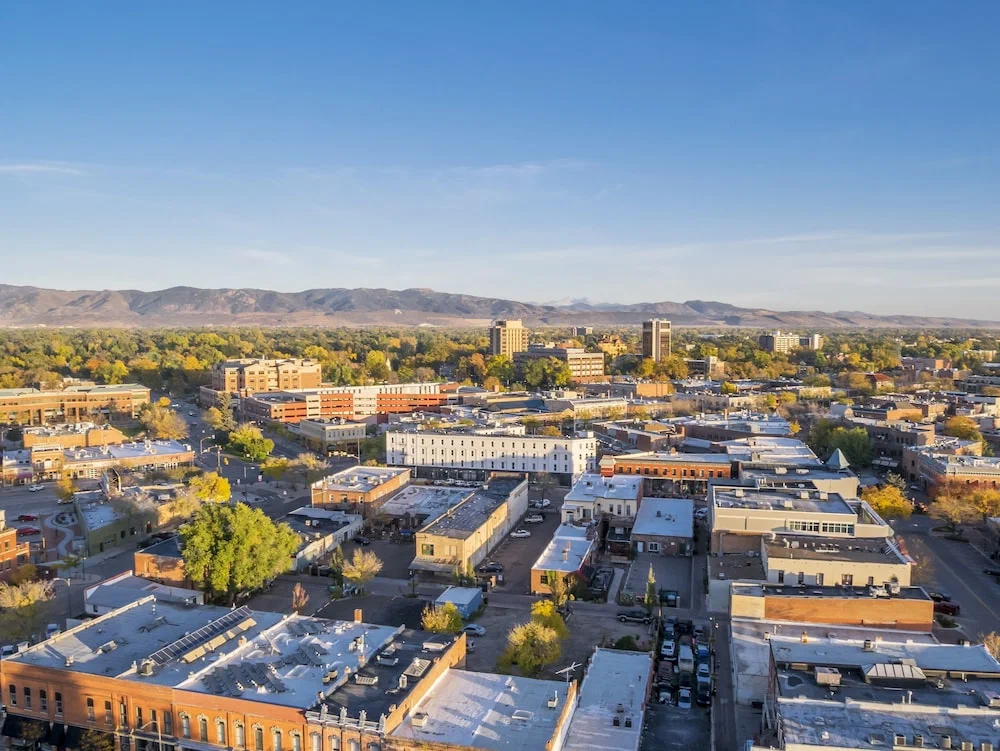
x=669, y=727
x=517, y=555
x=395, y=556
x=671, y=572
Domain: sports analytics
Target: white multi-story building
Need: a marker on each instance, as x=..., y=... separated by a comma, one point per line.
x=496, y=452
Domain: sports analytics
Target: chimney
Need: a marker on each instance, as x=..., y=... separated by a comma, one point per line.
x=565, y=556
x=357, y=615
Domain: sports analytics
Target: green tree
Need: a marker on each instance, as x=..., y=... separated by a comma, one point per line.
x=248, y=440
x=888, y=502
x=551, y=431
x=228, y=550
x=826, y=436
x=275, y=467
x=95, y=740
x=545, y=613
x=211, y=487
x=213, y=417
x=310, y=466
x=532, y=646
x=728, y=387
x=21, y=608
x=953, y=504
x=65, y=488
x=363, y=566
x=161, y=422
x=225, y=405
x=896, y=481
x=652, y=598
x=444, y=619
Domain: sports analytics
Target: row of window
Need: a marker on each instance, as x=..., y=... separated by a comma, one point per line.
x=846, y=580
x=674, y=472
x=239, y=732
x=503, y=465
x=838, y=528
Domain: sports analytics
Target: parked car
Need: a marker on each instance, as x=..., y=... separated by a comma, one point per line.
x=28, y=531
x=491, y=567
x=668, y=597
x=668, y=650
x=520, y=533
x=541, y=503
x=939, y=597
x=35, y=488
x=669, y=632
x=704, y=671
x=664, y=694
x=27, y=517
x=701, y=513
x=947, y=608
x=634, y=616
x=684, y=698
x=989, y=571
x=704, y=696
x=685, y=680
x=534, y=519
x=362, y=540
x=474, y=629
x=699, y=632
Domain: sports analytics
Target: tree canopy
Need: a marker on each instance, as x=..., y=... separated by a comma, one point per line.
x=232, y=549
x=20, y=608
x=211, y=487
x=964, y=428
x=532, y=646
x=826, y=436
x=248, y=440
x=888, y=502
x=441, y=619
x=362, y=567
x=161, y=422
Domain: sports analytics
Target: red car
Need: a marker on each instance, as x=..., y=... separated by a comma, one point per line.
x=947, y=608
x=28, y=518
x=28, y=531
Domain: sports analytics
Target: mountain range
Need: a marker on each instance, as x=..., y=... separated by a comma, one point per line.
x=192, y=306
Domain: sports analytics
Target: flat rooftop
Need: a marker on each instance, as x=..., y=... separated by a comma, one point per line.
x=127, y=589
x=859, y=550
x=169, y=548
x=665, y=517
x=359, y=479
x=669, y=457
x=866, y=725
x=592, y=487
x=780, y=499
x=121, y=451
x=806, y=590
x=789, y=452
x=614, y=678
x=488, y=711
x=566, y=551
x=463, y=520
x=310, y=526
x=95, y=510
x=271, y=658
x=424, y=501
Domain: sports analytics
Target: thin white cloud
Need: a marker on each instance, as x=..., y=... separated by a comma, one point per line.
x=40, y=168
x=264, y=256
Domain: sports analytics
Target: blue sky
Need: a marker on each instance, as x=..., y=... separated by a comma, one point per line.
x=837, y=155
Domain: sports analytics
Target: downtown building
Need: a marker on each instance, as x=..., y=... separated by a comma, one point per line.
x=785, y=342
x=508, y=337
x=471, y=454
x=656, y=339
x=78, y=403
x=346, y=402
x=583, y=365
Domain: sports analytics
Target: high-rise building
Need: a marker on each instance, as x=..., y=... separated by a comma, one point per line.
x=656, y=339
x=508, y=337
x=583, y=365
x=778, y=341
x=253, y=375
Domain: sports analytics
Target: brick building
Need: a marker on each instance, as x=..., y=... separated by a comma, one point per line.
x=359, y=488
x=508, y=337
x=80, y=403
x=253, y=375
x=13, y=553
x=582, y=365
x=76, y=435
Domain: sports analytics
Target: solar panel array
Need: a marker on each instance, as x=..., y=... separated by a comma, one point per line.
x=196, y=638
x=233, y=680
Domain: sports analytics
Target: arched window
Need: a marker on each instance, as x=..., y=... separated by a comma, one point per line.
x=239, y=736
x=276, y=739
x=353, y=745
x=315, y=742
x=203, y=729
x=334, y=743
x=185, y=726
x=220, y=732
x=258, y=738
x=296, y=742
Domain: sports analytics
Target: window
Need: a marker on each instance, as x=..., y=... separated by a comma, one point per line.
x=847, y=580
x=108, y=718
x=43, y=700
x=426, y=549
x=220, y=732
x=27, y=698
x=819, y=578
x=239, y=737
x=296, y=742
x=315, y=742
x=871, y=581
x=203, y=729
x=90, y=709
x=123, y=713
x=59, y=703
x=353, y=745
x=168, y=722
x=838, y=528
x=802, y=577
x=654, y=547
x=258, y=739
x=781, y=577
x=334, y=743
x=185, y=726
x=13, y=695
x=276, y=740
x=797, y=526
x=138, y=717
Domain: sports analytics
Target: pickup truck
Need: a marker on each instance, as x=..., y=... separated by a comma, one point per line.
x=685, y=659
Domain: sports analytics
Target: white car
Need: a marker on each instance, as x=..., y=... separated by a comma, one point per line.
x=684, y=698
x=520, y=533
x=534, y=519
x=543, y=503
x=474, y=629
x=35, y=488
x=668, y=649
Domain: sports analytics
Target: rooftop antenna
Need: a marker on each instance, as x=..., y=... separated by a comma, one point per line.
x=568, y=671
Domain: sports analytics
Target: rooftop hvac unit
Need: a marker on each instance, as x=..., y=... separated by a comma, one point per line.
x=419, y=719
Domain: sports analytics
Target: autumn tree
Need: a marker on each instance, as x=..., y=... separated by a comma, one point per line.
x=274, y=467
x=652, y=598
x=551, y=431
x=211, y=487
x=95, y=740
x=558, y=587
x=21, y=606
x=953, y=505
x=161, y=422
x=443, y=619
x=964, y=428
x=65, y=488
x=363, y=566
x=545, y=613
x=300, y=598
x=310, y=466
x=213, y=417
x=232, y=549
x=531, y=646
x=888, y=502
x=992, y=643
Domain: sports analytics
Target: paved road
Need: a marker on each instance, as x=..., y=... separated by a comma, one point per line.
x=957, y=571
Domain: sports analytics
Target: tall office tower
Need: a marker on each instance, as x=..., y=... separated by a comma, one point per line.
x=508, y=337
x=656, y=339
